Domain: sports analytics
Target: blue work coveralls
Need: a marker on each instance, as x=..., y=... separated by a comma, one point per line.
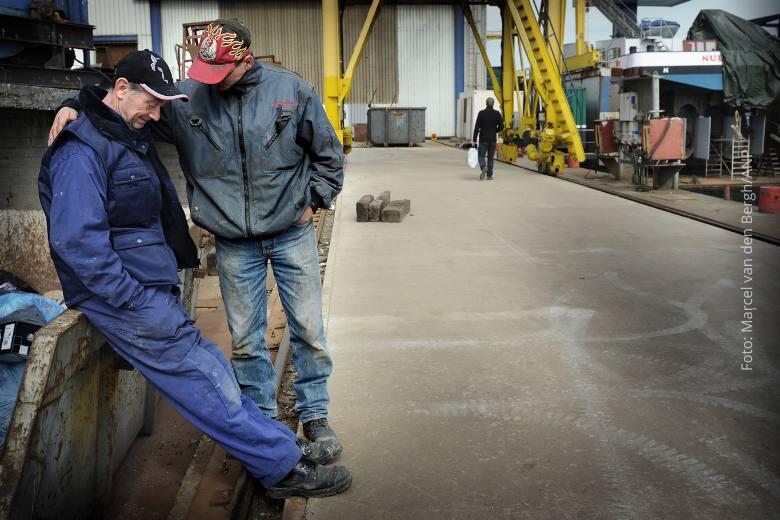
x=103, y=188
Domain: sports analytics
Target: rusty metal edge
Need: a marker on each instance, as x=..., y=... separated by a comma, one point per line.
x=693, y=216
x=28, y=403
x=190, y=484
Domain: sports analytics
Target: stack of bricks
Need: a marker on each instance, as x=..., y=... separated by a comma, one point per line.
x=382, y=209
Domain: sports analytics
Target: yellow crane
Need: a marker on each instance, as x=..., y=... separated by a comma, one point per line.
x=519, y=19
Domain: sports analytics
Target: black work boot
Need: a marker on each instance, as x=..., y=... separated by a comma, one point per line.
x=317, y=430
x=312, y=480
x=317, y=452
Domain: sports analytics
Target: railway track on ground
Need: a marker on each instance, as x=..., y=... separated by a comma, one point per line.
x=641, y=200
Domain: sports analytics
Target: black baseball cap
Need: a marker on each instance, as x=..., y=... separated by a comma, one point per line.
x=150, y=71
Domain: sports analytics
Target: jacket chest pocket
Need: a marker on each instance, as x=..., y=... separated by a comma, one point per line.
x=281, y=150
x=135, y=195
x=134, y=177
x=206, y=156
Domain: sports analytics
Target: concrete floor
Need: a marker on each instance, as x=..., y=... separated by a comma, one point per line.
x=531, y=348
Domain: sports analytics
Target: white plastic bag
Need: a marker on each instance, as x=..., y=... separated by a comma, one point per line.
x=473, y=159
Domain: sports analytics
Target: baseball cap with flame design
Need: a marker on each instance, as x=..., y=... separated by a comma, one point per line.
x=224, y=42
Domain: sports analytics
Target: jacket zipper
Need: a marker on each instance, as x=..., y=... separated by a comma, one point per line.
x=211, y=139
x=244, y=169
x=198, y=123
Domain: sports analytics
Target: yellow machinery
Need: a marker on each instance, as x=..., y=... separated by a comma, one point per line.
x=548, y=159
x=544, y=56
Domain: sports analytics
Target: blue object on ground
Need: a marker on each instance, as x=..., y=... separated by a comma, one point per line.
x=11, y=373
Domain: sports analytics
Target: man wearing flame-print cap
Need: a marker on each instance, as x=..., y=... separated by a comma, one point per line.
x=260, y=156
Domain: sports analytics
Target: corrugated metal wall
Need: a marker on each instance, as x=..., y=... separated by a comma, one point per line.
x=426, y=64
x=377, y=71
x=291, y=30
x=409, y=58
x=475, y=72
x=176, y=12
x=112, y=17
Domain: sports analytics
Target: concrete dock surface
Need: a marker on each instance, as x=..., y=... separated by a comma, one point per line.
x=531, y=348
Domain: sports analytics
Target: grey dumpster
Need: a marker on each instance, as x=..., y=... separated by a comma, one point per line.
x=396, y=125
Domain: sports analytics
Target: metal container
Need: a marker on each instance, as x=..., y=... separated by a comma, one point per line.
x=605, y=137
x=80, y=406
x=396, y=125
x=664, y=139
x=769, y=199
x=578, y=101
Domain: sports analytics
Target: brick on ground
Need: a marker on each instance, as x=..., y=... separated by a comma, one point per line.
x=375, y=210
x=396, y=210
x=362, y=207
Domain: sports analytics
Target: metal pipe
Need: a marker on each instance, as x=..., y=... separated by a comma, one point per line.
x=656, y=110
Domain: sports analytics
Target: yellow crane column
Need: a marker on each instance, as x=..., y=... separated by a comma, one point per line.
x=331, y=64
x=336, y=86
x=579, y=20
x=507, y=151
x=507, y=67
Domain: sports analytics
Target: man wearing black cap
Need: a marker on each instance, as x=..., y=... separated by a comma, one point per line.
x=117, y=235
x=260, y=157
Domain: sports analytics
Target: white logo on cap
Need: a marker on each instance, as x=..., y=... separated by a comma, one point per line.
x=154, y=67
x=208, y=48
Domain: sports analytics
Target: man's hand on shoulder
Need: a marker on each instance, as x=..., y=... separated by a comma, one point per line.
x=63, y=117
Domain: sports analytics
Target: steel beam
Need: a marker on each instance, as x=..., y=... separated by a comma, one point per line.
x=536, y=76
x=587, y=60
x=556, y=12
x=331, y=61
x=494, y=81
x=507, y=67
x=579, y=20
x=346, y=82
x=57, y=34
x=58, y=78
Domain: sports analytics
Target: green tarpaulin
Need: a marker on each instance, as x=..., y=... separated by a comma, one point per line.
x=751, y=57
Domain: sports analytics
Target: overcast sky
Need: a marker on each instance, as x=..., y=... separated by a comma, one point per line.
x=597, y=27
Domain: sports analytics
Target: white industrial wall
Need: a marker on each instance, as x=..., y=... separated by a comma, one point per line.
x=124, y=17
x=426, y=64
x=176, y=12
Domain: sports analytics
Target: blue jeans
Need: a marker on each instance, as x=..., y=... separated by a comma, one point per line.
x=486, y=151
x=160, y=340
x=242, y=267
